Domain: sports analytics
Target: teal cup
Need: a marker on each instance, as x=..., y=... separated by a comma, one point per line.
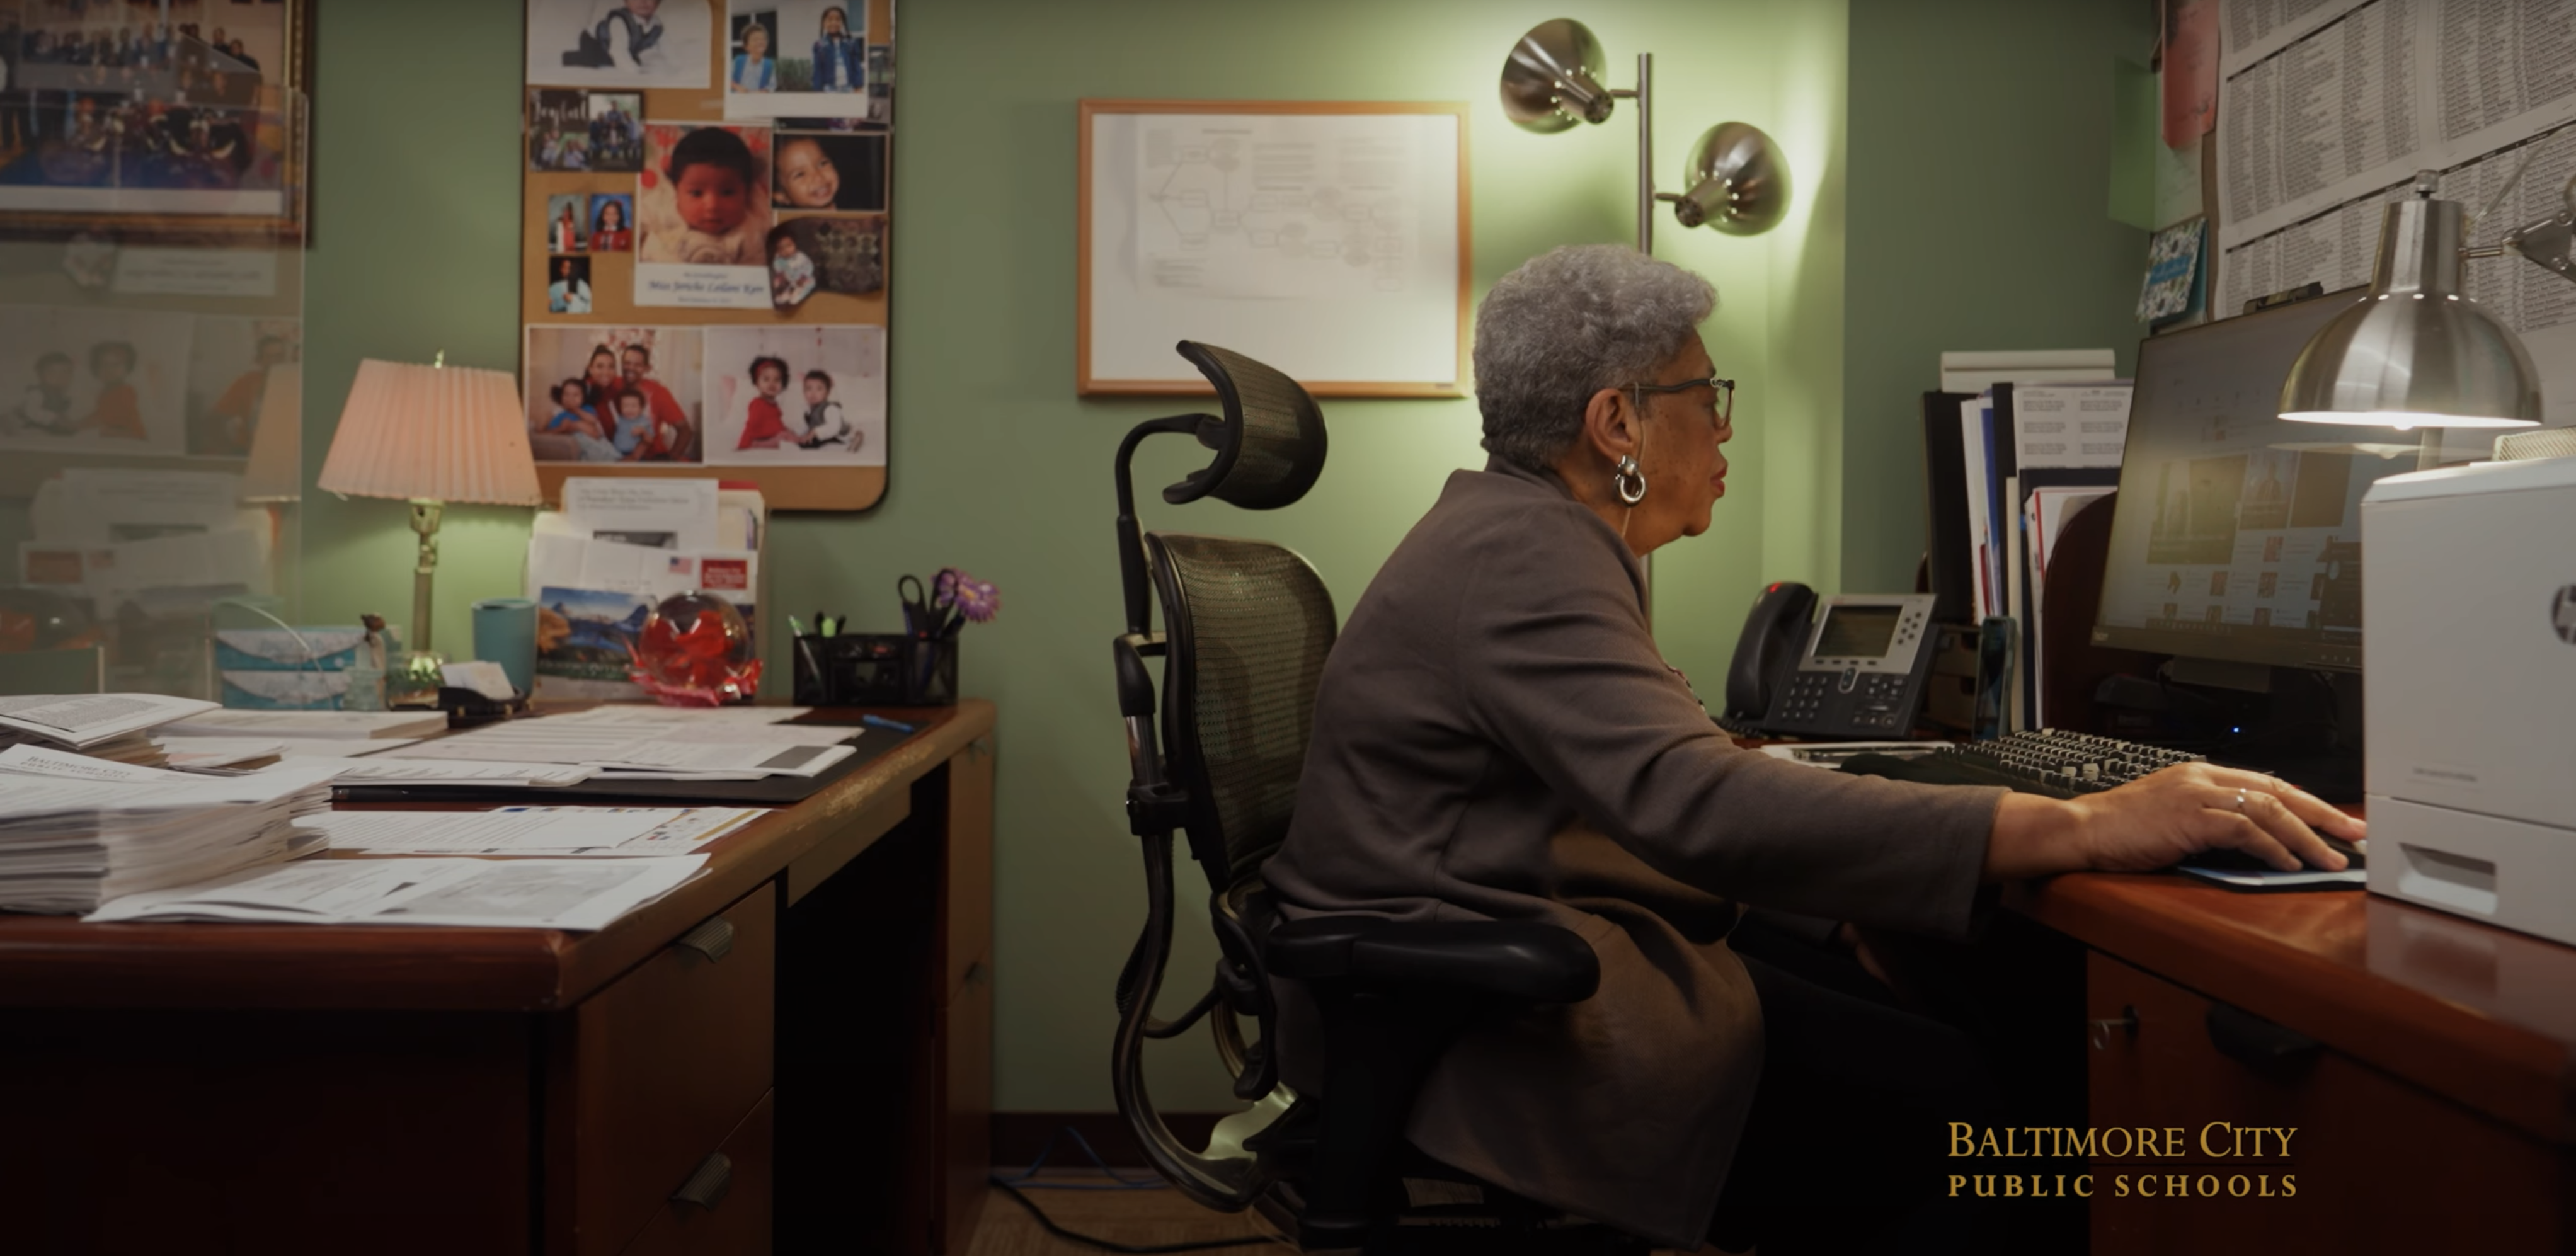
x=505, y=632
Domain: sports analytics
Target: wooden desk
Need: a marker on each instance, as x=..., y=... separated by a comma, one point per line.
x=254, y=1088
x=2436, y=1107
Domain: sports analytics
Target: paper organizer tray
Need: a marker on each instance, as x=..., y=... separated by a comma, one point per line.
x=881, y=669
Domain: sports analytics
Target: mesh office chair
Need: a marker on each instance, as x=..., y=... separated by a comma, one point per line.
x=1247, y=625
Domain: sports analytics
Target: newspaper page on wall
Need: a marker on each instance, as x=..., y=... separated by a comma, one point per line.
x=2326, y=111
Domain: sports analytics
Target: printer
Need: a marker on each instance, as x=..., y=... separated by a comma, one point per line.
x=2469, y=643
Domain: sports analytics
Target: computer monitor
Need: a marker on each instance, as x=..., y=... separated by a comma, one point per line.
x=2237, y=535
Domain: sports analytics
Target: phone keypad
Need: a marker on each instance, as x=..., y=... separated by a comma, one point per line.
x=1875, y=701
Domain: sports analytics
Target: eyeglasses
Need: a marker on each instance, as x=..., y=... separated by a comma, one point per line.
x=1721, y=411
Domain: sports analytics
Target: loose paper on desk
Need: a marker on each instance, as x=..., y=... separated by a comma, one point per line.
x=285, y=725
x=683, y=511
x=624, y=832
x=385, y=771
x=217, y=752
x=26, y=760
x=79, y=720
x=571, y=894
x=2058, y=425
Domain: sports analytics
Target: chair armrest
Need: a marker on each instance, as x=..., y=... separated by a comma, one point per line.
x=1527, y=960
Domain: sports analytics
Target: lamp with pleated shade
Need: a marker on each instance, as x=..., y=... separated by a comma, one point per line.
x=431, y=435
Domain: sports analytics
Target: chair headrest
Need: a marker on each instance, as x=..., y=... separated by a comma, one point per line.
x=1270, y=444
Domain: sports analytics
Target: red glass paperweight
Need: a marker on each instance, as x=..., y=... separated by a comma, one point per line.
x=695, y=650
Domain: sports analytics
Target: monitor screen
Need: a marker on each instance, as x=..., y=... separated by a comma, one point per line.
x=1857, y=632
x=2237, y=535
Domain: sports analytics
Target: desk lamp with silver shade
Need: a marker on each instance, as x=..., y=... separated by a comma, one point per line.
x=2416, y=351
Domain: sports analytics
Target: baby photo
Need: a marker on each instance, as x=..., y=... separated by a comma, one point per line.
x=619, y=43
x=612, y=222
x=702, y=224
x=612, y=394
x=110, y=380
x=791, y=269
x=567, y=223
x=797, y=59
x=847, y=251
x=830, y=171
x=568, y=285
x=229, y=360
x=795, y=394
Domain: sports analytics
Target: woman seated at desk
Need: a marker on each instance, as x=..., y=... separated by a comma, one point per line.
x=1497, y=737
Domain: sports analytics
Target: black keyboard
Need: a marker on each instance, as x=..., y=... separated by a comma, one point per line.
x=2049, y=761
x=2056, y=764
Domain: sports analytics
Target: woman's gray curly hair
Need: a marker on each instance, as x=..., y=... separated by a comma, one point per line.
x=1568, y=324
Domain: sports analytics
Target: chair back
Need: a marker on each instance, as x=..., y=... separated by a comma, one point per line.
x=1247, y=625
x=1270, y=443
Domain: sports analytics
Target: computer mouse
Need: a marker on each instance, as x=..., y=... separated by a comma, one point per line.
x=2232, y=860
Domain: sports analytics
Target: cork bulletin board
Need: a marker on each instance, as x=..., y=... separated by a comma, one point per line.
x=704, y=242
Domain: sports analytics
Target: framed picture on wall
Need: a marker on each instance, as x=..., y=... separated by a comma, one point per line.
x=181, y=120
x=1326, y=238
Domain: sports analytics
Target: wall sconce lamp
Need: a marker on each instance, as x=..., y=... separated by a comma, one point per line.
x=2416, y=351
x=1738, y=181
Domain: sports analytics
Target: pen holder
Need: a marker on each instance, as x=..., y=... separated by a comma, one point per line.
x=876, y=669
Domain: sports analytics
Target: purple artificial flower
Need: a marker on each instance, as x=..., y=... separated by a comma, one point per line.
x=975, y=599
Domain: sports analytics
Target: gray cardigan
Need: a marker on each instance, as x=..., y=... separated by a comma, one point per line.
x=1497, y=738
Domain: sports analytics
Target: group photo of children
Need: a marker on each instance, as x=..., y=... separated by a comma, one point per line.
x=614, y=394
x=795, y=394
x=110, y=380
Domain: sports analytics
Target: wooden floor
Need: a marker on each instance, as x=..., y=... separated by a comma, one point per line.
x=1131, y=1217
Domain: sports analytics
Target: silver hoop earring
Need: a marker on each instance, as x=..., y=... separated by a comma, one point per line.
x=1630, y=482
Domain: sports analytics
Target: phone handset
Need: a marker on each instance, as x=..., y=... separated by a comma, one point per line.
x=1774, y=632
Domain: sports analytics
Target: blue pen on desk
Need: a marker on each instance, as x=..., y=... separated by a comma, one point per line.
x=891, y=726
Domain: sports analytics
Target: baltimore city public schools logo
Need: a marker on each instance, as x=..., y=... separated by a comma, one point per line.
x=2562, y=612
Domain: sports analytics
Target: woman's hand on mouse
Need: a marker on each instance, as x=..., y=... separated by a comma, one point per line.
x=2157, y=820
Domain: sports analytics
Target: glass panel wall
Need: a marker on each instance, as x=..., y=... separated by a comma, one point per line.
x=152, y=218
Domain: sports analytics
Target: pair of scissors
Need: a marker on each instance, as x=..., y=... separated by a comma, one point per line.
x=917, y=615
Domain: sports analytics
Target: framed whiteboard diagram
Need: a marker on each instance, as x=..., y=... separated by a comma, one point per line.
x=1325, y=238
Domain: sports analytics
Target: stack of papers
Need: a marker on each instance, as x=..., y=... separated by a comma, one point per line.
x=622, y=832
x=78, y=832
x=652, y=742
x=103, y=725
x=579, y=894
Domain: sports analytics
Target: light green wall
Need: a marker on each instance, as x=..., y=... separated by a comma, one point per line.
x=1982, y=142
x=998, y=468
x=1965, y=210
